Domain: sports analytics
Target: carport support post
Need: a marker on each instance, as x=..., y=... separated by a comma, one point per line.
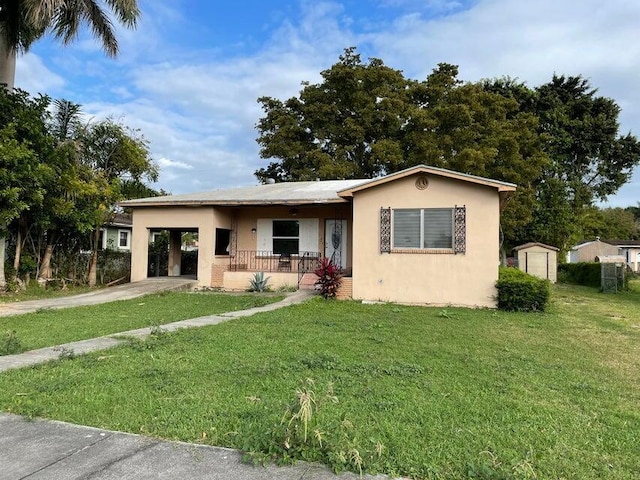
x=175, y=253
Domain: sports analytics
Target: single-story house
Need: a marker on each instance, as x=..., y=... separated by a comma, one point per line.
x=587, y=251
x=423, y=235
x=116, y=234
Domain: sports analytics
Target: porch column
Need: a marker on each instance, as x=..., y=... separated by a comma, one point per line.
x=175, y=253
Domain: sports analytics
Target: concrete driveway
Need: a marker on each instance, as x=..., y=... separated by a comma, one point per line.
x=102, y=295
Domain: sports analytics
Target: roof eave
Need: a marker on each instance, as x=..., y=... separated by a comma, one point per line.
x=229, y=203
x=500, y=186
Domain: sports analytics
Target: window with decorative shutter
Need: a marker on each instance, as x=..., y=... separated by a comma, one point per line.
x=423, y=229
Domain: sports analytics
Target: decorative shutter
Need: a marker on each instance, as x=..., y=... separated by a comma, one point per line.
x=385, y=230
x=309, y=231
x=460, y=229
x=265, y=234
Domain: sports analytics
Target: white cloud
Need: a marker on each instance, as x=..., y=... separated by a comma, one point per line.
x=33, y=76
x=166, y=163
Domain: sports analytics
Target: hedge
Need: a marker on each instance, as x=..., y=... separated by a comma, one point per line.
x=582, y=273
x=521, y=292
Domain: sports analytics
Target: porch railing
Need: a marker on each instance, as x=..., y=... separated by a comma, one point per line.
x=267, y=261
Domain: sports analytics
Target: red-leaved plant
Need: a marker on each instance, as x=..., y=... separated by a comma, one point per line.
x=329, y=278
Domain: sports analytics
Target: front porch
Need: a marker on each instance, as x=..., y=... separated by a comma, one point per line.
x=284, y=271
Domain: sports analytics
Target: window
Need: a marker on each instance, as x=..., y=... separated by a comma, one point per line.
x=286, y=237
x=223, y=240
x=423, y=228
x=123, y=239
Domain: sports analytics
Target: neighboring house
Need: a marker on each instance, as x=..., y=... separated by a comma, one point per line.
x=422, y=235
x=630, y=250
x=538, y=259
x=587, y=251
x=116, y=234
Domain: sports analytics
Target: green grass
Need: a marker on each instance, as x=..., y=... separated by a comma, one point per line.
x=429, y=392
x=49, y=327
x=34, y=292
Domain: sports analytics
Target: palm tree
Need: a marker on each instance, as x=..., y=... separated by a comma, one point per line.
x=24, y=21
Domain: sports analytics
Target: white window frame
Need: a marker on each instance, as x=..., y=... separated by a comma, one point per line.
x=308, y=234
x=422, y=230
x=128, y=245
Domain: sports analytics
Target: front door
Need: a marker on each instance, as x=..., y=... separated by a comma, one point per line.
x=335, y=241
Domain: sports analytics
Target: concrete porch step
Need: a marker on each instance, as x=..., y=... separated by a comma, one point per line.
x=308, y=281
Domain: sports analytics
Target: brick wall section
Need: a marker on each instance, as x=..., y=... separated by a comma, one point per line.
x=345, y=292
x=217, y=275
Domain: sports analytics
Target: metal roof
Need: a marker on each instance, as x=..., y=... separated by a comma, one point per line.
x=285, y=193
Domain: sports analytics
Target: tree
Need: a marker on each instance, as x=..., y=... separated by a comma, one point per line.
x=22, y=123
x=610, y=223
x=25, y=21
x=366, y=119
x=589, y=160
x=117, y=158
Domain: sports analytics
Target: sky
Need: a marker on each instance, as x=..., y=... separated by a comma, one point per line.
x=190, y=75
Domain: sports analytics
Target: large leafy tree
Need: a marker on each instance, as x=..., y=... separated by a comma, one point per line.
x=365, y=119
x=589, y=159
x=24, y=21
x=23, y=177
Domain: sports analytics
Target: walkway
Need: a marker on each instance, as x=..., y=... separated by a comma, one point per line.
x=45, y=449
x=46, y=354
x=102, y=295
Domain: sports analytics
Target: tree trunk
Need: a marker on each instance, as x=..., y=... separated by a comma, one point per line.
x=7, y=64
x=3, y=244
x=45, y=264
x=93, y=262
x=16, y=258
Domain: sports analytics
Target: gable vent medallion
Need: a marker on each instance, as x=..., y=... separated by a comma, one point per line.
x=422, y=183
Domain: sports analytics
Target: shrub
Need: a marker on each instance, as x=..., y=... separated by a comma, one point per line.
x=329, y=278
x=519, y=291
x=583, y=273
x=258, y=283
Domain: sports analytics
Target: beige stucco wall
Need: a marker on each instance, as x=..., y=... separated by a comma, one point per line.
x=239, y=281
x=539, y=261
x=588, y=253
x=205, y=219
x=463, y=279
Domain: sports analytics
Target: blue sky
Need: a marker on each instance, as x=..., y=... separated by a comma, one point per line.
x=191, y=73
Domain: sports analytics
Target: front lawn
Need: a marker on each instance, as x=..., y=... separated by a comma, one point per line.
x=50, y=327
x=423, y=392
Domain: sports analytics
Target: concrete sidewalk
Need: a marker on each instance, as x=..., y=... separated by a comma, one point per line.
x=45, y=449
x=102, y=295
x=46, y=354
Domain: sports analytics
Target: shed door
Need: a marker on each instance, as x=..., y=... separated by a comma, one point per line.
x=537, y=263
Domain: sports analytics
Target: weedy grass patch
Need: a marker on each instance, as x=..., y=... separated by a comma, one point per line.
x=464, y=394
